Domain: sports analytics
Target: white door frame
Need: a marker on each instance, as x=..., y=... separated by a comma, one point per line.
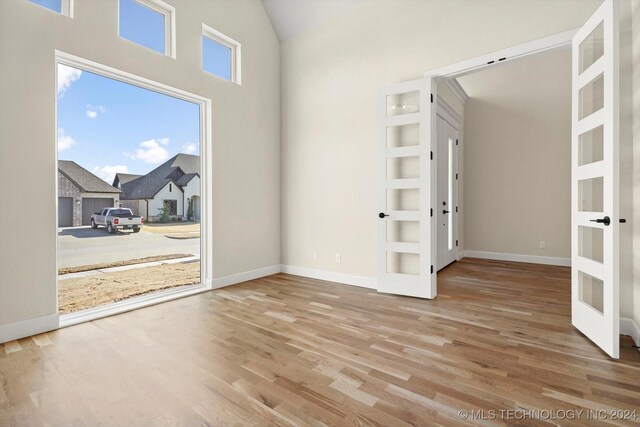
x=444, y=110
x=561, y=40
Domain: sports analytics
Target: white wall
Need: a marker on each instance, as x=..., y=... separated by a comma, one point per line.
x=164, y=194
x=635, y=221
x=246, y=158
x=517, y=149
x=330, y=78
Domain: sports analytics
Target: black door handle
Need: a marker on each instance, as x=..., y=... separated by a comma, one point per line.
x=445, y=212
x=382, y=215
x=606, y=220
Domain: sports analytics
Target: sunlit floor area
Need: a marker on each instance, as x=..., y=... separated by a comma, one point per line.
x=286, y=350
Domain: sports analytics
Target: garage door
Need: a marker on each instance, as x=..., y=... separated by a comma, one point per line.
x=65, y=211
x=93, y=204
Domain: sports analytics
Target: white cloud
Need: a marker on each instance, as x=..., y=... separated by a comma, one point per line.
x=190, y=148
x=64, y=140
x=66, y=77
x=93, y=110
x=151, y=151
x=109, y=172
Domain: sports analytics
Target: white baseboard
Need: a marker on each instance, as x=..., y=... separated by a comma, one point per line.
x=631, y=328
x=27, y=328
x=533, y=259
x=330, y=276
x=245, y=276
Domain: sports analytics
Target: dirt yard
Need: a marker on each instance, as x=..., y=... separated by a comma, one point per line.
x=87, y=292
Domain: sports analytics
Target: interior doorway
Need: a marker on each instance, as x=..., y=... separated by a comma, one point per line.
x=595, y=189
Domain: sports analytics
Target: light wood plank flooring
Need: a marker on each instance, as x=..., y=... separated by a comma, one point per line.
x=286, y=350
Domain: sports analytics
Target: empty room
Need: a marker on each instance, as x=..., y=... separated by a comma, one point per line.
x=320, y=212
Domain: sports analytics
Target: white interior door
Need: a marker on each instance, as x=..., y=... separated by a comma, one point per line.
x=595, y=180
x=405, y=229
x=447, y=193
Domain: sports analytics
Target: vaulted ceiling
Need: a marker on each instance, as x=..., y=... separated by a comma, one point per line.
x=293, y=17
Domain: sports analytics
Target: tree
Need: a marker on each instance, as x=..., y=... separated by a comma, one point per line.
x=190, y=210
x=164, y=214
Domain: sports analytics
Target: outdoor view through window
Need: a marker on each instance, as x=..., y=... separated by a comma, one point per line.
x=129, y=191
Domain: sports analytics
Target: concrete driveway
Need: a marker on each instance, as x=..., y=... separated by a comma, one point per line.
x=83, y=245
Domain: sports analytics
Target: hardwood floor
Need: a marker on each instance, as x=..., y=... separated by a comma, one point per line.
x=286, y=350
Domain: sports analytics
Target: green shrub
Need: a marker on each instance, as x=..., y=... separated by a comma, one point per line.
x=164, y=214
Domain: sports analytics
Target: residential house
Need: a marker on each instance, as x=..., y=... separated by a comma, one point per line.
x=80, y=194
x=174, y=184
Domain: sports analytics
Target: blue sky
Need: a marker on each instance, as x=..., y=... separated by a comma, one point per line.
x=141, y=25
x=107, y=126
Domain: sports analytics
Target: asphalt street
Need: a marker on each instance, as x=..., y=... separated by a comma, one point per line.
x=83, y=246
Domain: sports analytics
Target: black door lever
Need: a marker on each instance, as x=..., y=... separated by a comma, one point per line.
x=445, y=212
x=606, y=220
x=382, y=215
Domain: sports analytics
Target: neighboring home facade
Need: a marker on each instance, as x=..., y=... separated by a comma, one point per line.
x=175, y=184
x=80, y=194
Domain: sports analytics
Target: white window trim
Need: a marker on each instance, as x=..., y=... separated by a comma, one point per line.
x=66, y=8
x=169, y=13
x=236, y=51
x=206, y=179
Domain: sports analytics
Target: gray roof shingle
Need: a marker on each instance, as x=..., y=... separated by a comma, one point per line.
x=174, y=170
x=85, y=180
x=124, y=177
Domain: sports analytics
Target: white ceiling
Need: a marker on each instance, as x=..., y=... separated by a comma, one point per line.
x=292, y=17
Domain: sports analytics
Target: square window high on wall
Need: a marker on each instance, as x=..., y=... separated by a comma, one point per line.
x=149, y=23
x=220, y=55
x=63, y=7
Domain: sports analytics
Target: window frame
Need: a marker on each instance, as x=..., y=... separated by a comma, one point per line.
x=169, y=13
x=171, y=203
x=66, y=7
x=236, y=52
x=206, y=202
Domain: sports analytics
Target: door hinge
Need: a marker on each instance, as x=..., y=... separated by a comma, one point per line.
x=432, y=98
x=432, y=269
x=432, y=155
x=456, y=142
x=456, y=243
x=456, y=176
x=431, y=211
x=456, y=209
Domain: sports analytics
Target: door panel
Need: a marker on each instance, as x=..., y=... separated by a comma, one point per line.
x=65, y=211
x=93, y=204
x=595, y=180
x=404, y=185
x=446, y=201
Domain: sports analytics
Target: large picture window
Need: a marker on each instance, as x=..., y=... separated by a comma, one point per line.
x=123, y=236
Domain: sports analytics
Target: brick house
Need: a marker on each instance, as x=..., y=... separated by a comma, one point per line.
x=80, y=194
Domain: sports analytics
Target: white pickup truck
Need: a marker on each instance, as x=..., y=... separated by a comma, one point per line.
x=115, y=219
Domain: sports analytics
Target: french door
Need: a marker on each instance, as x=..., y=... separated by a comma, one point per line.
x=595, y=220
x=406, y=234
